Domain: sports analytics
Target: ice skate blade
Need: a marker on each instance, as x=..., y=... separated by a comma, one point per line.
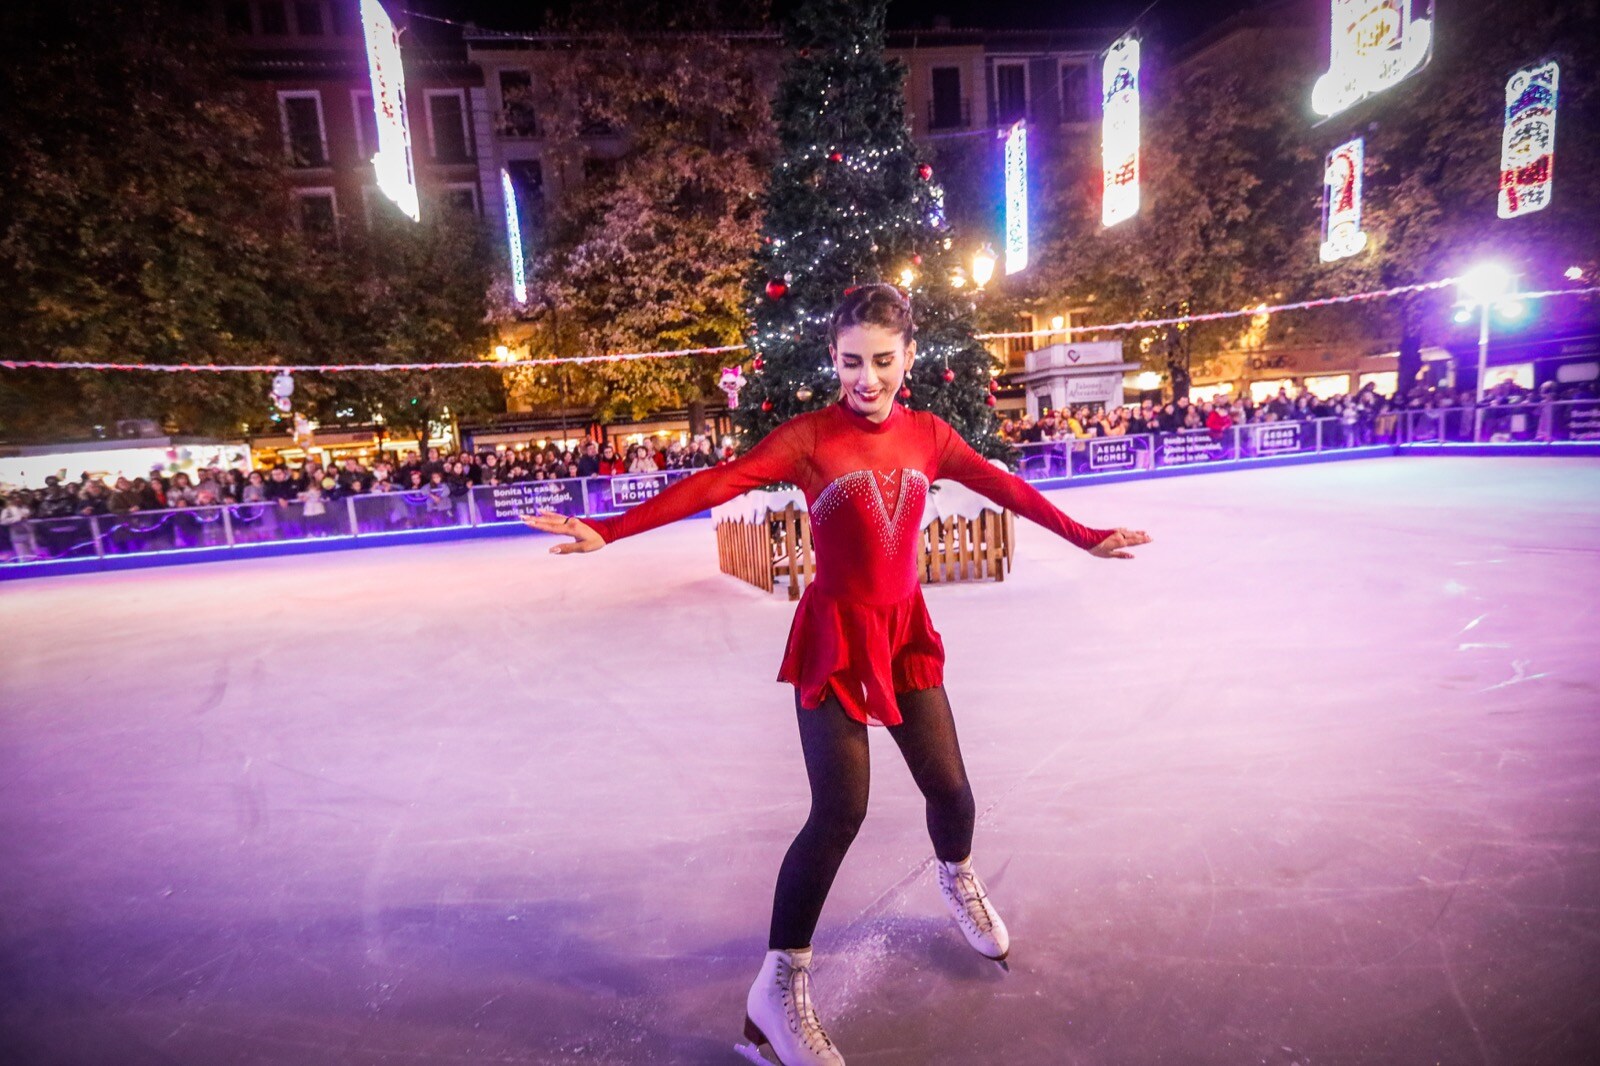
x=752, y=1050
x=752, y=1055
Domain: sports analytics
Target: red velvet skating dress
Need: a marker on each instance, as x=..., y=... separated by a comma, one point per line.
x=861, y=629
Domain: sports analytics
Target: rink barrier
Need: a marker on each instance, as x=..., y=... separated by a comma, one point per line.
x=95, y=543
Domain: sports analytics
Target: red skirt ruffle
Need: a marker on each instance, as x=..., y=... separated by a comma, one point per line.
x=863, y=653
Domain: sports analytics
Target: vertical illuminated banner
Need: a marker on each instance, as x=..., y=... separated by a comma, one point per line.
x=392, y=163
x=1017, y=198
x=1374, y=44
x=1341, y=202
x=1119, y=132
x=519, y=275
x=1528, y=146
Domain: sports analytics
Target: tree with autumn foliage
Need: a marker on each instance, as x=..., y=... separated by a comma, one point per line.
x=140, y=222
x=1224, y=179
x=650, y=251
x=1433, y=160
x=411, y=292
x=1232, y=180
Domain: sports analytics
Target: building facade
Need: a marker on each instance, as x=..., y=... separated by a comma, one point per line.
x=305, y=63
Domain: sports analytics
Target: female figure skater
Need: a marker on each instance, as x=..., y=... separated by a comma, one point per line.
x=862, y=648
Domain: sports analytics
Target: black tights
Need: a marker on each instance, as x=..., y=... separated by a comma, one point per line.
x=835, y=747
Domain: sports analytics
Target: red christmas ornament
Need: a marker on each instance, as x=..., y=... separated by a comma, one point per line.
x=758, y=363
x=916, y=260
x=905, y=392
x=949, y=376
x=836, y=157
x=776, y=288
x=805, y=53
x=924, y=172
x=993, y=388
x=990, y=400
x=851, y=289
x=766, y=405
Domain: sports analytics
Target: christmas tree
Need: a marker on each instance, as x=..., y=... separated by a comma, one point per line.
x=850, y=202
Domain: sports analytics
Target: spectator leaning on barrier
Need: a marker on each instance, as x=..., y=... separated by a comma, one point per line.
x=16, y=536
x=702, y=456
x=611, y=463
x=589, y=462
x=438, y=490
x=640, y=461
x=279, y=488
x=657, y=459
x=1218, y=421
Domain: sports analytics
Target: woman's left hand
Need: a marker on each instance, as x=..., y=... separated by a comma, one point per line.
x=1113, y=547
x=584, y=537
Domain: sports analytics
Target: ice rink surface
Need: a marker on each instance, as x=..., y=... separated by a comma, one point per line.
x=1315, y=780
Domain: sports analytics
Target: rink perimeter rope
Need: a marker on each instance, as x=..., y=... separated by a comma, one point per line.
x=676, y=353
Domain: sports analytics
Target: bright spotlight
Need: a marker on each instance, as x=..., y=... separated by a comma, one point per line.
x=1463, y=315
x=1485, y=283
x=983, y=266
x=1511, y=309
x=1574, y=273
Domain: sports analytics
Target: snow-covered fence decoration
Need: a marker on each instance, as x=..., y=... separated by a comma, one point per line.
x=764, y=538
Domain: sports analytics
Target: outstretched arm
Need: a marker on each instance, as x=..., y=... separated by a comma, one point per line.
x=959, y=462
x=779, y=457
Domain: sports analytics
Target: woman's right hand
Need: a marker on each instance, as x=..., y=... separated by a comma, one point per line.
x=1115, y=546
x=584, y=538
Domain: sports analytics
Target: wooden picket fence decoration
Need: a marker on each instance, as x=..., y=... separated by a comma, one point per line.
x=778, y=549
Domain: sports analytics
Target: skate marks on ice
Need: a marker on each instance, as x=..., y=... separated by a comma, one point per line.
x=908, y=922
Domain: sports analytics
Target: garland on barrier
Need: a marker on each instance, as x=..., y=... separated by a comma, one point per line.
x=1111, y=327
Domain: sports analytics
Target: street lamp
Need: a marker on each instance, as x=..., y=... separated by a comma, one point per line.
x=983, y=266
x=1148, y=382
x=1486, y=287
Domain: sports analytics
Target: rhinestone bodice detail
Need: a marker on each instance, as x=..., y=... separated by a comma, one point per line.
x=876, y=511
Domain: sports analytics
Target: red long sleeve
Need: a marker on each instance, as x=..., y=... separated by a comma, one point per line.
x=781, y=456
x=958, y=462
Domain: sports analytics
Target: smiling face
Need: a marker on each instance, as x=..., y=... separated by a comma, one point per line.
x=872, y=363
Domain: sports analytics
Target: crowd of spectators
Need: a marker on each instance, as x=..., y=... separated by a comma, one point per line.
x=1362, y=417
x=53, y=519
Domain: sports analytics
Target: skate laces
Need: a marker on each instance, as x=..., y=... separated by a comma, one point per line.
x=969, y=892
x=803, y=1019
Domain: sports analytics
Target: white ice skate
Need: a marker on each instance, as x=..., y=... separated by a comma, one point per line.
x=969, y=905
x=778, y=1012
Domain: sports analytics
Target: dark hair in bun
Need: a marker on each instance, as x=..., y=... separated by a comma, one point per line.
x=880, y=305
